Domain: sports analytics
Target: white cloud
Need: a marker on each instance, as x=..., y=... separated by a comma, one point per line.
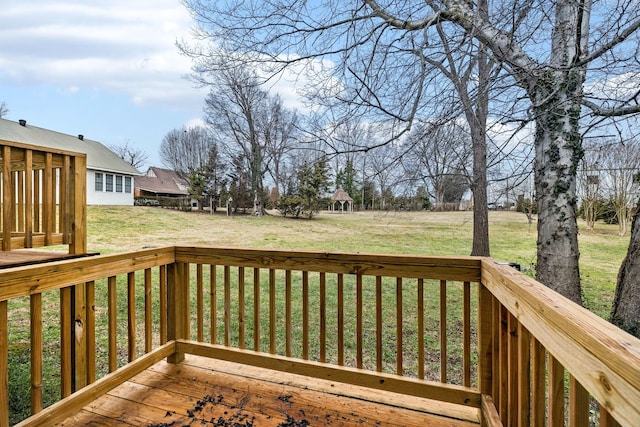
x=115, y=46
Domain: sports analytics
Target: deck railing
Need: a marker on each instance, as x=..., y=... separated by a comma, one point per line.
x=43, y=197
x=462, y=330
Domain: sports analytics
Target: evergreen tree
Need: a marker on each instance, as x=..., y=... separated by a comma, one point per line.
x=304, y=194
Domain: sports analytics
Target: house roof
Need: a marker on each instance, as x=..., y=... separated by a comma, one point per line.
x=99, y=157
x=341, y=196
x=164, y=181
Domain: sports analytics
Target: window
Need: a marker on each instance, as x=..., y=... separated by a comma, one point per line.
x=127, y=184
x=98, y=182
x=109, y=181
x=118, y=183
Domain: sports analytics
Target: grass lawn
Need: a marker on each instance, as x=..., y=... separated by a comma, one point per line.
x=118, y=229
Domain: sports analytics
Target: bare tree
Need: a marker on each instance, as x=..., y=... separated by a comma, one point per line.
x=621, y=163
x=3, y=109
x=131, y=154
x=589, y=183
x=550, y=51
x=186, y=150
x=278, y=126
x=256, y=128
x=440, y=157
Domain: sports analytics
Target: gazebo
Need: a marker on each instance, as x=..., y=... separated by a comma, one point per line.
x=341, y=196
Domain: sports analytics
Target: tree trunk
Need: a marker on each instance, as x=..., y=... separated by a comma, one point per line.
x=558, y=152
x=478, y=126
x=625, y=312
x=556, y=94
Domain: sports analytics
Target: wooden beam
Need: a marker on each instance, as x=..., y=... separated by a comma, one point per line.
x=378, y=381
x=40, y=278
x=425, y=267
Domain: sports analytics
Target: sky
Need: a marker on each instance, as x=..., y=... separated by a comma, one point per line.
x=109, y=70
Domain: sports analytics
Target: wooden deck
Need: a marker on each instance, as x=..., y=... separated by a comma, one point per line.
x=202, y=391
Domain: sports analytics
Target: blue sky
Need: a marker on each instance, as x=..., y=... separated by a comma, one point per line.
x=108, y=70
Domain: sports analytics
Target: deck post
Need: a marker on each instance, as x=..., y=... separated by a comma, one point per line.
x=78, y=210
x=177, y=306
x=7, y=198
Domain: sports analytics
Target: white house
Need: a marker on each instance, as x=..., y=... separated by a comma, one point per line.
x=110, y=180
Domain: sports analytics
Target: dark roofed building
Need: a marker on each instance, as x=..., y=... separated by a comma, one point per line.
x=158, y=182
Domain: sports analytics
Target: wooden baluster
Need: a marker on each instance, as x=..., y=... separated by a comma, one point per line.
x=29, y=199
x=556, y=393
x=256, y=309
x=496, y=368
x=305, y=315
x=4, y=365
x=28, y=195
x=241, y=323
x=512, y=370
x=287, y=312
x=466, y=334
x=503, y=364
x=443, y=331
x=340, y=319
x=131, y=316
x=524, y=376
x=359, y=324
x=37, y=206
x=272, y=311
x=20, y=199
x=323, y=317
x=64, y=204
x=113, y=322
x=227, y=305
x=48, y=202
x=199, y=304
x=90, y=331
x=420, y=297
x=66, y=387
x=163, y=303
x=399, y=333
x=538, y=375
x=213, y=295
x=379, y=344
x=36, y=353
x=578, y=404
x=148, y=304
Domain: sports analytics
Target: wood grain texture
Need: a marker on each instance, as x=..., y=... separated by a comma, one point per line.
x=603, y=359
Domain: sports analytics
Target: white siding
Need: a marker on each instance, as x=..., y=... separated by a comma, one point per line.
x=103, y=197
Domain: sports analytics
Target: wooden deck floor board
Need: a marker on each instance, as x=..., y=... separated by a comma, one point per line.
x=202, y=391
